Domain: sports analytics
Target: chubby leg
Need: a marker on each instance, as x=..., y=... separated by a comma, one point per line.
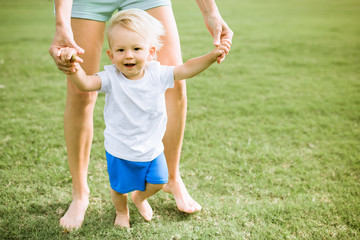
x=122, y=211
x=78, y=121
x=139, y=199
x=176, y=105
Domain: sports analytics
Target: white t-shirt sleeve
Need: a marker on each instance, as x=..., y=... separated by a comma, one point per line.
x=105, y=77
x=104, y=82
x=167, y=76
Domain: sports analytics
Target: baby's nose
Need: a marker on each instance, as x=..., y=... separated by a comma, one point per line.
x=129, y=54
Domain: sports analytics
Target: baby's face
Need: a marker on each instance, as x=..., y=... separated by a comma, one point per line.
x=129, y=52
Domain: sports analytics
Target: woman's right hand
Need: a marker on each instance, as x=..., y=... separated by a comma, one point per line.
x=64, y=38
x=219, y=30
x=69, y=55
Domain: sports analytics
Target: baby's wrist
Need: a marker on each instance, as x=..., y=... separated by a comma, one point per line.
x=215, y=54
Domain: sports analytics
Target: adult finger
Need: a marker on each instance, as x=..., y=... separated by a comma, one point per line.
x=217, y=35
x=78, y=59
x=227, y=35
x=66, y=69
x=78, y=49
x=225, y=46
x=228, y=41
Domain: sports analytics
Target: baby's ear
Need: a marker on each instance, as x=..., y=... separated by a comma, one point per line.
x=110, y=54
x=152, y=52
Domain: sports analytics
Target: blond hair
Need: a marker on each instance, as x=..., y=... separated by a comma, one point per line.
x=140, y=22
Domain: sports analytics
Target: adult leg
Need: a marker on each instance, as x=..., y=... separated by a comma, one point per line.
x=78, y=120
x=176, y=105
x=139, y=199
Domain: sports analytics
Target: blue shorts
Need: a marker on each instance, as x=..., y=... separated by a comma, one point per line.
x=102, y=10
x=127, y=176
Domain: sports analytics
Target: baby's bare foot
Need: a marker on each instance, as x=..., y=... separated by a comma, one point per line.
x=184, y=201
x=122, y=220
x=143, y=207
x=74, y=217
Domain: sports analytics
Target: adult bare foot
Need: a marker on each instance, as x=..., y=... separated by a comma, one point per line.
x=74, y=217
x=184, y=201
x=122, y=220
x=143, y=206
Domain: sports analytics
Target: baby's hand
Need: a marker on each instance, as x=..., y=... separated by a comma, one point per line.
x=70, y=58
x=222, y=50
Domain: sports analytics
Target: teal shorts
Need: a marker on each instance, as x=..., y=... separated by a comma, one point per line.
x=102, y=10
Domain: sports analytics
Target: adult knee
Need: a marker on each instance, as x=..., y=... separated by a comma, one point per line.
x=177, y=94
x=80, y=98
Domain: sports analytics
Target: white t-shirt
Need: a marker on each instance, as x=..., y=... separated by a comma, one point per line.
x=135, y=111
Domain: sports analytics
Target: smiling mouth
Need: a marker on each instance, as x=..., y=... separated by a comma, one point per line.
x=129, y=64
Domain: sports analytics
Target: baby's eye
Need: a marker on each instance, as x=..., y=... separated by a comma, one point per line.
x=120, y=50
x=137, y=49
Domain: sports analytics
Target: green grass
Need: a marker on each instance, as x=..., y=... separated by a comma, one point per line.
x=271, y=148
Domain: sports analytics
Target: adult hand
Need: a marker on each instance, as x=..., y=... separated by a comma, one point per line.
x=64, y=38
x=219, y=30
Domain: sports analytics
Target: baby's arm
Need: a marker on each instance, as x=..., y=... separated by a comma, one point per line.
x=78, y=76
x=197, y=65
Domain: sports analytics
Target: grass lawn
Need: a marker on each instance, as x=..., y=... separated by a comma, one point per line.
x=272, y=144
